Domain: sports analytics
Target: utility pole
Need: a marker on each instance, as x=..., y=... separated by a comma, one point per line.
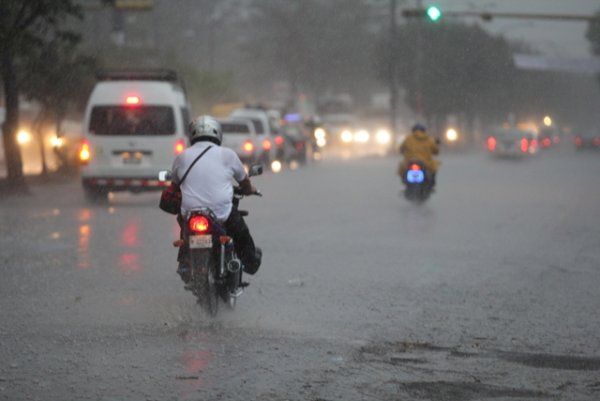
x=418, y=66
x=392, y=70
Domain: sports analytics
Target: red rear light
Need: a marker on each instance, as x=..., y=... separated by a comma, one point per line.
x=597, y=141
x=279, y=140
x=491, y=143
x=248, y=147
x=179, y=146
x=415, y=166
x=133, y=100
x=578, y=141
x=546, y=142
x=199, y=224
x=85, y=153
x=524, y=145
x=266, y=144
x=534, y=144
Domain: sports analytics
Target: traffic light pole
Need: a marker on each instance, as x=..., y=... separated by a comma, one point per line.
x=418, y=67
x=420, y=12
x=393, y=71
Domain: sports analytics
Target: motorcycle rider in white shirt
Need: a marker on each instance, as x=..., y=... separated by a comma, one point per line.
x=209, y=184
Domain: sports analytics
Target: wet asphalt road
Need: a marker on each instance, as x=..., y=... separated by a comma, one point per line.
x=488, y=291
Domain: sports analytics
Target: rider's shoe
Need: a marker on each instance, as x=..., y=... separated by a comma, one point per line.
x=257, y=261
x=185, y=273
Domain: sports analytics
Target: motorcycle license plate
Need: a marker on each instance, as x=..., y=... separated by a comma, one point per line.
x=201, y=241
x=415, y=176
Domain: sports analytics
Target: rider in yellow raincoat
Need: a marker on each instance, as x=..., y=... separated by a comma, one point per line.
x=422, y=147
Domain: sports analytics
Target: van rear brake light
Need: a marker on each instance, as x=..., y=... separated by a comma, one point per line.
x=133, y=100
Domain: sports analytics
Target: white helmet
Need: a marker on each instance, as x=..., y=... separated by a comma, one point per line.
x=205, y=127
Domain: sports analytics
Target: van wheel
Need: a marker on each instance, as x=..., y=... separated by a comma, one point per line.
x=94, y=195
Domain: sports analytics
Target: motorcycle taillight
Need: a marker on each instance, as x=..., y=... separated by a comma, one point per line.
x=199, y=225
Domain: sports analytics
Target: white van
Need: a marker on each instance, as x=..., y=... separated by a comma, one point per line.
x=135, y=124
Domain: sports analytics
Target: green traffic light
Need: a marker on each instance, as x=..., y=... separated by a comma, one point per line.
x=434, y=13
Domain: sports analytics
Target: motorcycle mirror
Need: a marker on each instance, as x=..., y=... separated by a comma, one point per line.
x=164, y=175
x=256, y=169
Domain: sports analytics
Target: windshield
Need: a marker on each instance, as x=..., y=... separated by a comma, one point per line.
x=235, y=129
x=129, y=121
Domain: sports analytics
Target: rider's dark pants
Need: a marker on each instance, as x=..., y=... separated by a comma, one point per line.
x=236, y=228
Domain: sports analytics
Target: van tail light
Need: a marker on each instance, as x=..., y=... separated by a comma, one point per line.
x=534, y=144
x=85, y=152
x=266, y=144
x=546, y=142
x=179, y=146
x=133, y=100
x=248, y=147
x=278, y=140
x=199, y=225
x=491, y=143
x=524, y=145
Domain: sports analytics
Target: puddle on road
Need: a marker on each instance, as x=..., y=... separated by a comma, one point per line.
x=549, y=361
x=447, y=390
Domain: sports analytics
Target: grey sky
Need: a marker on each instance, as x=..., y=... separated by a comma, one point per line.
x=555, y=38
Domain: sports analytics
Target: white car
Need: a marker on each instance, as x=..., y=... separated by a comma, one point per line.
x=511, y=142
x=134, y=125
x=239, y=135
x=265, y=131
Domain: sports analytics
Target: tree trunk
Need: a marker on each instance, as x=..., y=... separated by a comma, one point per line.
x=12, y=153
x=39, y=130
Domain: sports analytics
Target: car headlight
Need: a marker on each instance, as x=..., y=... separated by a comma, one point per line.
x=451, y=135
x=320, y=133
x=23, y=137
x=361, y=136
x=383, y=137
x=346, y=136
x=57, y=142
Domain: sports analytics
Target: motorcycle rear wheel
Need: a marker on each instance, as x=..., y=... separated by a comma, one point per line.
x=204, y=273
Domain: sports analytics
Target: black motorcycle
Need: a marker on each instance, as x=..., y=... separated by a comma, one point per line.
x=209, y=253
x=418, y=181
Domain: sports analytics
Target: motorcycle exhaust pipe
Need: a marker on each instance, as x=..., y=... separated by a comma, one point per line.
x=234, y=266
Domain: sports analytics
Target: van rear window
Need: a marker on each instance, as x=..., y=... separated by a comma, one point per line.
x=232, y=128
x=126, y=121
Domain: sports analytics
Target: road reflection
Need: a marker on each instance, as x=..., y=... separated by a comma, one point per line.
x=129, y=260
x=83, y=247
x=195, y=362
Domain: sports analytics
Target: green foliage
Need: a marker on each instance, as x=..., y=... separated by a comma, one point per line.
x=593, y=34
x=314, y=45
x=58, y=77
x=463, y=69
x=26, y=27
x=204, y=88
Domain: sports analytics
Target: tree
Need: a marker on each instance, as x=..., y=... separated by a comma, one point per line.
x=316, y=46
x=463, y=70
x=593, y=35
x=58, y=86
x=24, y=26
